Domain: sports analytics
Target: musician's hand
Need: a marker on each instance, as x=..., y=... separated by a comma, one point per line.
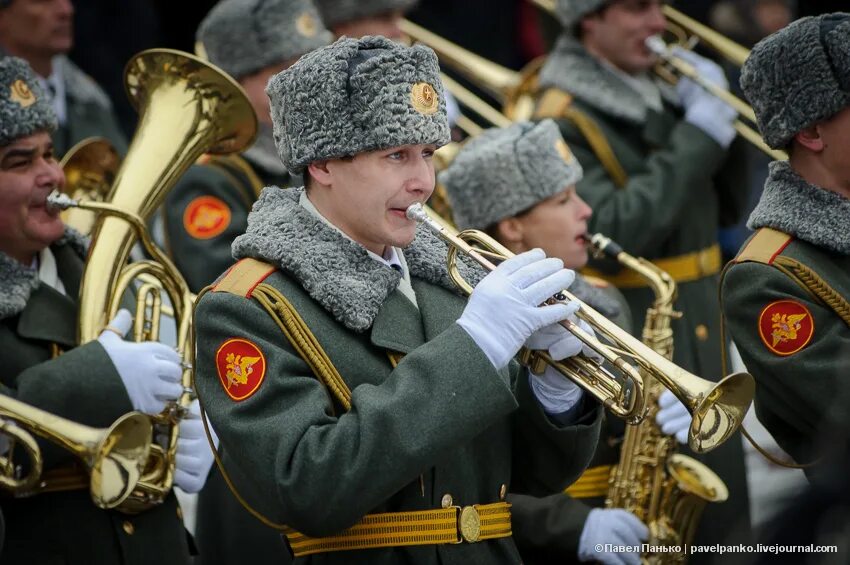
x=615, y=527
x=559, y=342
x=150, y=371
x=702, y=109
x=503, y=311
x=673, y=418
x=194, y=453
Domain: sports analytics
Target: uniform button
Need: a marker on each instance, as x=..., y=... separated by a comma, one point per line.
x=503, y=490
x=702, y=332
x=447, y=500
x=129, y=529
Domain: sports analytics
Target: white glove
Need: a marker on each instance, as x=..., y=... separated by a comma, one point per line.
x=673, y=418
x=702, y=109
x=194, y=454
x=611, y=526
x=149, y=370
x=503, y=311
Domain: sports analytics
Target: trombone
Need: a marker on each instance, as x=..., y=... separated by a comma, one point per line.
x=114, y=457
x=688, y=32
x=717, y=409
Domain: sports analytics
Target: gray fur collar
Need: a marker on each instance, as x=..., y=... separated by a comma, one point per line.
x=792, y=205
x=80, y=86
x=263, y=152
x=336, y=272
x=17, y=281
x=569, y=67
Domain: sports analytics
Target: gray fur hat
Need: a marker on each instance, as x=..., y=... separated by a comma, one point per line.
x=244, y=36
x=799, y=76
x=505, y=171
x=24, y=108
x=570, y=12
x=340, y=11
x=357, y=95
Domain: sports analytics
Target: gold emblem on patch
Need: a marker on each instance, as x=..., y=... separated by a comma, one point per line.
x=564, y=151
x=424, y=98
x=22, y=94
x=470, y=524
x=306, y=25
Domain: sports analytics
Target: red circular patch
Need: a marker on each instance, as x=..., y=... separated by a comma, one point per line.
x=206, y=217
x=786, y=327
x=241, y=367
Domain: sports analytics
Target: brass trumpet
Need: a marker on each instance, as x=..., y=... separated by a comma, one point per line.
x=717, y=409
x=114, y=457
x=90, y=167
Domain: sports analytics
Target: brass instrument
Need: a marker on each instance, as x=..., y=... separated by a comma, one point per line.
x=187, y=107
x=717, y=409
x=687, y=33
x=90, y=167
x=665, y=489
x=114, y=457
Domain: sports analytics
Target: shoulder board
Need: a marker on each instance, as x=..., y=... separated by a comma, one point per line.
x=243, y=277
x=764, y=247
x=596, y=282
x=553, y=103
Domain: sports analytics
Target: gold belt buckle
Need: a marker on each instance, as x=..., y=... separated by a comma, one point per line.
x=469, y=523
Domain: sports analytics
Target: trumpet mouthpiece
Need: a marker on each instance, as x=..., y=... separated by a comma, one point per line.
x=416, y=212
x=655, y=44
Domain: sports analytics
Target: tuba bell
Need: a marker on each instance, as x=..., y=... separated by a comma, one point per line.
x=187, y=107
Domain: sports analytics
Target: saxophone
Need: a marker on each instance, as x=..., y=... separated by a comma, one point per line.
x=665, y=489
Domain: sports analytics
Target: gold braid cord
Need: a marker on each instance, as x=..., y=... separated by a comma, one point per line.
x=817, y=286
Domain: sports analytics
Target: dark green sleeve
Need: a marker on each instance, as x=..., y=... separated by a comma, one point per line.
x=732, y=183
x=795, y=394
x=660, y=192
x=547, y=529
x=201, y=261
x=321, y=472
x=81, y=385
x=548, y=457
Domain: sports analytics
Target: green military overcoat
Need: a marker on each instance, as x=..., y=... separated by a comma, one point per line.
x=208, y=208
x=81, y=384
x=679, y=186
x=89, y=112
x=785, y=298
x=443, y=422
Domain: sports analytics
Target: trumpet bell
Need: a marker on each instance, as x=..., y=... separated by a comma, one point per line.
x=119, y=460
x=720, y=412
x=90, y=167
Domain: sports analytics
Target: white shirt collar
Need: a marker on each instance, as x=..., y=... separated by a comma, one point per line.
x=48, y=270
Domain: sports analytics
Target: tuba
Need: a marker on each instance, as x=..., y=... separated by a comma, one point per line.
x=114, y=457
x=665, y=489
x=90, y=167
x=187, y=107
x=717, y=409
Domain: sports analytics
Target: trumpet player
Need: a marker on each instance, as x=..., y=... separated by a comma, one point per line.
x=41, y=264
x=251, y=41
x=361, y=400
x=785, y=296
x=661, y=173
x=519, y=185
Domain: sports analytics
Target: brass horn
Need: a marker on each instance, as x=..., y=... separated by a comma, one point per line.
x=90, y=167
x=717, y=409
x=114, y=457
x=187, y=107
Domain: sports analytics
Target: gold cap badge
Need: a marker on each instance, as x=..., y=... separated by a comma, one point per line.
x=424, y=98
x=306, y=25
x=564, y=151
x=22, y=94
